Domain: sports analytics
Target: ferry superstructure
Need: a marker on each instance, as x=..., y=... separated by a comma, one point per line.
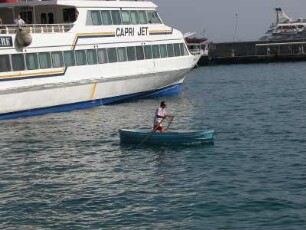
x=285, y=28
x=80, y=54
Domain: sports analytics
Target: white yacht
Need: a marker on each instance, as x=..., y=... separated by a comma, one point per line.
x=79, y=54
x=285, y=28
x=198, y=46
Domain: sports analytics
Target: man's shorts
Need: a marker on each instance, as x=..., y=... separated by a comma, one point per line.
x=159, y=128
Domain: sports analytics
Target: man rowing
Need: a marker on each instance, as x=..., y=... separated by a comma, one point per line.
x=159, y=116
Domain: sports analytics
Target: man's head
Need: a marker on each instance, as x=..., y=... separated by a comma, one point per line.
x=163, y=104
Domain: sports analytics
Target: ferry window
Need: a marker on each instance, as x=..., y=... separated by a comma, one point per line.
x=139, y=53
x=106, y=17
x=177, y=51
x=43, y=18
x=27, y=16
x=184, y=50
x=88, y=18
x=57, y=59
x=46, y=18
x=102, y=56
x=156, y=53
x=5, y=63
x=95, y=17
x=69, y=58
x=153, y=17
x=116, y=17
x=18, y=62
x=170, y=50
x=80, y=57
x=92, y=57
x=134, y=17
x=121, y=54
x=131, y=53
x=112, y=55
x=148, y=52
x=163, y=51
x=143, y=17
x=70, y=14
x=50, y=18
x=44, y=60
x=32, y=61
x=126, y=17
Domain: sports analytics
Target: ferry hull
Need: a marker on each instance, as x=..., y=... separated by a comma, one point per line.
x=91, y=94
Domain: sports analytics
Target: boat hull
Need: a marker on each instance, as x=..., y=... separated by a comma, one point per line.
x=167, y=91
x=166, y=138
x=81, y=95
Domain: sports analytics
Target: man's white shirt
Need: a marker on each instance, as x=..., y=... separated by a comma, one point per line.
x=19, y=22
x=159, y=112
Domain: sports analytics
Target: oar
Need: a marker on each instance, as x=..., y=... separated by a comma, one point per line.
x=153, y=131
x=170, y=122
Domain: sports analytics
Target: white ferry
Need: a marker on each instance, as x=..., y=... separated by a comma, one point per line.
x=79, y=54
x=285, y=28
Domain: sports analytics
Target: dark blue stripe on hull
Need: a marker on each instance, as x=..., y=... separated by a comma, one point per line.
x=168, y=91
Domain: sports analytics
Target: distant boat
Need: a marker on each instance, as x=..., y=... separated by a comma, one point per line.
x=198, y=46
x=147, y=137
x=285, y=28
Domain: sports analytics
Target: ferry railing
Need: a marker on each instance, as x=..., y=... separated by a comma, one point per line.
x=37, y=28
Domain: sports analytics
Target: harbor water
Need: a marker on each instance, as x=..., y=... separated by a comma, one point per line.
x=68, y=170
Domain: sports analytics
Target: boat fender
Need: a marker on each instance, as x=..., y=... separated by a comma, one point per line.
x=23, y=38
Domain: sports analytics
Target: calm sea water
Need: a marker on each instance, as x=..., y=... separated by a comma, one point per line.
x=68, y=171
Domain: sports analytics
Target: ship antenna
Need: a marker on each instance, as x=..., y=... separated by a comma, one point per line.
x=277, y=10
x=236, y=27
x=203, y=33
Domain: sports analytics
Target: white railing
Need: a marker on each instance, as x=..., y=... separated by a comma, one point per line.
x=37, y=28
x=196, y=51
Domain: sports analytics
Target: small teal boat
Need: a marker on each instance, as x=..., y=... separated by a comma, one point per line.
x=147, y=137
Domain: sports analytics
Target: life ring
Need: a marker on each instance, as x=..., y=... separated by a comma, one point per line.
x=23, y=38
